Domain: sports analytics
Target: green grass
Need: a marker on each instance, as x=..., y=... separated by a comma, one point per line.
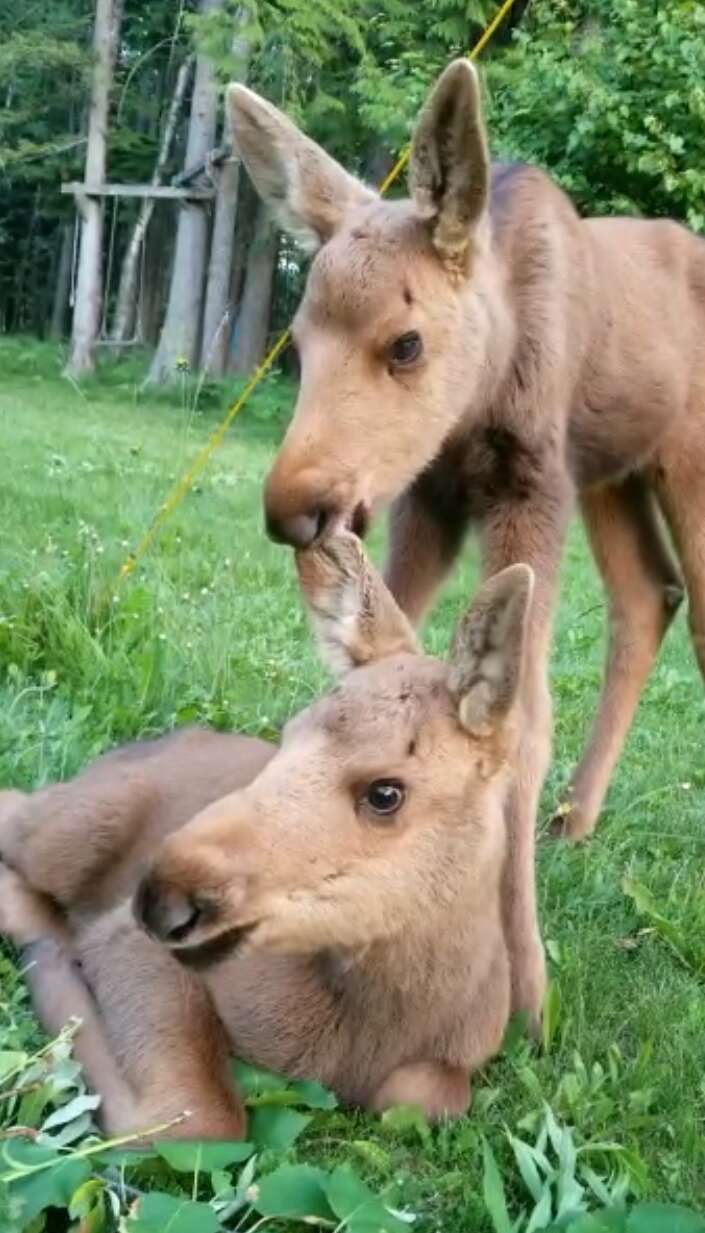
x=209, y=629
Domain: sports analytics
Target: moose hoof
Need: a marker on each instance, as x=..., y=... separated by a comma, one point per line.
x=572, y=823
x=438, y=1090
x=24, y=914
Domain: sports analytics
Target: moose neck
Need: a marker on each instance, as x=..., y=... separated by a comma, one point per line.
x=489, y=290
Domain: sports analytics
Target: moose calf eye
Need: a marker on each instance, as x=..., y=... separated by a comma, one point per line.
x=384, y=797
x=406, y=348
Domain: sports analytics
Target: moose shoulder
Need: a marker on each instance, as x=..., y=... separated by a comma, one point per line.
x=475, y=356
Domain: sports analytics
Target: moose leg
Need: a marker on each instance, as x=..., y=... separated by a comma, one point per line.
x=149, y=1043
x=644, y=590
x=679, y=485
x=438, y=1090
x=163, y=1031
x=59, y=993
x=425, y=538
x=63, y=839
x=532, y=531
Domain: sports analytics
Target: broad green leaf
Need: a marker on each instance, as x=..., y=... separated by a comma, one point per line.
x=272, y=1126
x=86, y=1195
x=357, y=1206
x=406, y=1120
x=493, y=1192
x=659, y=1218
x=235, y=1197
x=188, y=1157
x=296, y=1192
x=18, y=1155
x=516, y=1033
x=88, y=1204
x=53, y=1187
x=165, y=1213
x=527, y=1166
x=551, y=1015
x=312, y=1095
x=596, y=1184
x=601, y=1222
x=554, y=1131
x=71, y=1132
x=222, y=1183
x=252, y=1081
x=261, y=1087
x=645, y=904
x=33, y=1104
x=11, y=1062
x=541, y=1215
x=71, y=1110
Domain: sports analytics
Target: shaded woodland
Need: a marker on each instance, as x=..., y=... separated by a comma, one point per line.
x=172, y=252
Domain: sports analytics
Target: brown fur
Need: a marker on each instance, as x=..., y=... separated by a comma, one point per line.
x=286, y=919
x=559, y=355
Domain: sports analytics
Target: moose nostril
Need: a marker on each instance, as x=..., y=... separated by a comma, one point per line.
x=167, y=914
x=183, y=918
x=299, y=530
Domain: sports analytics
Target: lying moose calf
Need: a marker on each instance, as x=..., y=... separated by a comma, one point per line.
x=334, y=909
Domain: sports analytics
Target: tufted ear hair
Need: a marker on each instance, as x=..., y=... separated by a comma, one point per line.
x=355, y=618
x=449, y=168
x=308, y=190
x=489, y=649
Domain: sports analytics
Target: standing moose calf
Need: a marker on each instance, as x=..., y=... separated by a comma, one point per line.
x=475, y=355
x=335, y=904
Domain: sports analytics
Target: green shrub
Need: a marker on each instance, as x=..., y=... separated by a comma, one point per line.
x=611, y=99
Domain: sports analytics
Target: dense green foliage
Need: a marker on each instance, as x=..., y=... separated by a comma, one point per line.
x=608, y=97
x=611, y=99
x=209, y=629
x=323, y=62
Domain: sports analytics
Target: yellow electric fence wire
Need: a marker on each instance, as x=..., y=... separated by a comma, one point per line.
x=199, y=463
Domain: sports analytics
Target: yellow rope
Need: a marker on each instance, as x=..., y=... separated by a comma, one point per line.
x=182, y=485
x=199, y=463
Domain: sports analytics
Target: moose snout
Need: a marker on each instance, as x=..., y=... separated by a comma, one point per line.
x=167, y=913
x=297, y=530
x=303, y=527
x=302, y=505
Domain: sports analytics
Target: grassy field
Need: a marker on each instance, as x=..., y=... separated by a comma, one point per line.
x=208, y=629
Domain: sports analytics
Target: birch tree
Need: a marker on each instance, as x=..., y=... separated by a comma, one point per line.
x=216, y=314
x=87, y=308
x=180, y=335
x=126, y=303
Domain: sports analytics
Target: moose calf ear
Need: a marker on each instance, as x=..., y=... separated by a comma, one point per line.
x=449, y=168
x=308, y=190
x=354, y=616
x=488, y=650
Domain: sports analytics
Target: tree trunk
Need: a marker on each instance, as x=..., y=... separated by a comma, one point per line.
x=510, y=23
x=157, y=260
x=247, y=202
x=252, y=324
x=24, y=265
x=86, y=315
x=62, y=283
x=126, y=304
x=178, y=344
x=217, y=311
